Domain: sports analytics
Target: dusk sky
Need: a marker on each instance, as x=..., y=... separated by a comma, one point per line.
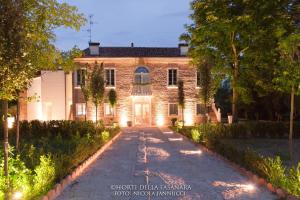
x=119, y=22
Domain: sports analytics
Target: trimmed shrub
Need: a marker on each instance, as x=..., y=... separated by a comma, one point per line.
x=196, y=137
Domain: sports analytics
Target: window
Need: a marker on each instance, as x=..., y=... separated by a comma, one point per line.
x=141, y=76
x=198, y=78
x=110, y=77
x=108, y=110
x=81, y=73
x=173, y=109
x=172, y=77
x=200, y=109
x=80, y=109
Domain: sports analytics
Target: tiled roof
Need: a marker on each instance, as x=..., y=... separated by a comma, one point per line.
x=135, y=52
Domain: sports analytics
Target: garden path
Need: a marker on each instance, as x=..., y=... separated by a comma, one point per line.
x=166, y=166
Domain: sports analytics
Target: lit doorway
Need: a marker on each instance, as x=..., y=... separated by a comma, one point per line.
x=141, y=114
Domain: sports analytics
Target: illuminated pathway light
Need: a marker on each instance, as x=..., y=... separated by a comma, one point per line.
x=187, y=152
x=160, y=120
x=17, y=195
x=244, y=187
x=10, y=122
x=168, y=132
x=249, y=187
x=175, y=139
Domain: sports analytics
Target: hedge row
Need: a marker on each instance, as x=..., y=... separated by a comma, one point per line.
x=249, y=130
x=272, y=169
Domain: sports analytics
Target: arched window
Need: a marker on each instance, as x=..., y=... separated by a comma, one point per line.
x=141, y=76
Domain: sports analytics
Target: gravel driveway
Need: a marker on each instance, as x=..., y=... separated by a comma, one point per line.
x=152, y=163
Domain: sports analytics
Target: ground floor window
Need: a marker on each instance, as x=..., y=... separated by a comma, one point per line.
x=80, y=109
x=173, y=109
x=200, y=109
x=108, y=109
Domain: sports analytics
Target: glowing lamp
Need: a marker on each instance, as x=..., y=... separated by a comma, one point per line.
x=160, y=120
x=250, y=187
x=10, y=122
x=17, y=195
x=124, y=119
x=188, y=118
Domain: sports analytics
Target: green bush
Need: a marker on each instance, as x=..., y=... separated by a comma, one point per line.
x=44, y=175
x=196, y=137
x=293, y=181
x=18, y=180
x=272, y=169
x=68, y=142
x=105, y=136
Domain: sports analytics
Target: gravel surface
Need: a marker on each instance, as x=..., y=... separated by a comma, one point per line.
x=152, y=163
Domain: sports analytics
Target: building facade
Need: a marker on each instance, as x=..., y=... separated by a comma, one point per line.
x=145, y=80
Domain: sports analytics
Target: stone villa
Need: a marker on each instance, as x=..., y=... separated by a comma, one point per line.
x=145, y=80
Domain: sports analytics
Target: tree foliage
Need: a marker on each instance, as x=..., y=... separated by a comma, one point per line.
x=242, y=39
x=112, y=97
x=97, y=86
x=26, y=40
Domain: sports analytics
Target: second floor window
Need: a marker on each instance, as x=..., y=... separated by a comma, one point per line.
x=141, y=76
x=172, y=77
x=110, y=78
x=81, y=73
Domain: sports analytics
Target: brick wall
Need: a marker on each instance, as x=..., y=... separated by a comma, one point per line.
x=161, y=94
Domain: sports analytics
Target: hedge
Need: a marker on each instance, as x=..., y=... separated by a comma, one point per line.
x=272, y=169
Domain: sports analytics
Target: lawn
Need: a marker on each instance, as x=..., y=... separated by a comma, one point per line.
x=269, y=148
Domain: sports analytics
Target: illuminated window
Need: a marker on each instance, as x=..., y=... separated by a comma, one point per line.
x=110, y=78
x=81, y=73
x=200, y=109
x=173, y=109
x=80, y=109
x=108, y=110
x=172, y=77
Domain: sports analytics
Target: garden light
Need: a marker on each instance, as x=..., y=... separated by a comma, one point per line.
x=17, y=195
x=10, y=122
x=198, y=152
x=250, y=187
x=175, y=139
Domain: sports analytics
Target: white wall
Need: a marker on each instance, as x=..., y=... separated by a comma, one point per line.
x=53, y=95
x=34, y=107
x=69, y=96
x=50, y=90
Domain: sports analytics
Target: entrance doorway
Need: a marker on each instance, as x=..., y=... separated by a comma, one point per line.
x=142, y=114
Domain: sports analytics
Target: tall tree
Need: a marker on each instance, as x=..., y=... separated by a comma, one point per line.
x=288, y=72
x=181, y=98
x=26, y=44
x=112, y=98
x=239, y=36
x=97, y=86
x=206, y=82
x=86, y=90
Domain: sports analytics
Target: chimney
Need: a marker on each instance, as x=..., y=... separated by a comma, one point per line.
x=132, y=44
x=94, y=48
x=184, y=48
